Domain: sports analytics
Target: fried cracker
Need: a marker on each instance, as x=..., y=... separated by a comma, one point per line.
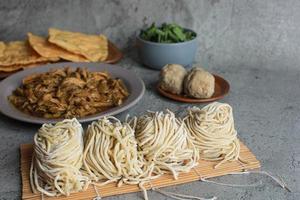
x=93, y=47
x=49, y=50
x=13, y=68
x=20, y=53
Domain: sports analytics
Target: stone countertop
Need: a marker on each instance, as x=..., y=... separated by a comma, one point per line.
x=266, y=108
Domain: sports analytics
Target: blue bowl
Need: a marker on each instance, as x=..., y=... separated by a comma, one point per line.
x=157, y=55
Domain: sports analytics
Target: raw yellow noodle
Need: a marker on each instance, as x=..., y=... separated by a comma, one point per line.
x=111, y=154
x=163, y=140
x=57, y=159
x=212, y=128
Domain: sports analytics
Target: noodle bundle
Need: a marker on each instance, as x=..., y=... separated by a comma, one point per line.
x=212, y=128
x=133, y=152
x=111, y=154
x=57, y=158
x=163, y=140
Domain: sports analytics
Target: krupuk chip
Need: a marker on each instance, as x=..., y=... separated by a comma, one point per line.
x=49, y=50
x=93, y=47
x=13, y=68
x=20, y=53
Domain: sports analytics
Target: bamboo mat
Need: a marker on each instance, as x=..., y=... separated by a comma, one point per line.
x=205, y=169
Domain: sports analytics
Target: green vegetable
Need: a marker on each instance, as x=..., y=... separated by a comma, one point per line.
x=167, y=33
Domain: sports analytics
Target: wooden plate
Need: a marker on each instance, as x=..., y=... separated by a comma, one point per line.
x=221, y=89
x=114, y=55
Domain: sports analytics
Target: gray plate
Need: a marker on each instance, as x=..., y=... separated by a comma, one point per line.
x=133, y=83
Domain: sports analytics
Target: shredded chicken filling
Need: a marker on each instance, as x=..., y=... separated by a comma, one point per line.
x=67, y=93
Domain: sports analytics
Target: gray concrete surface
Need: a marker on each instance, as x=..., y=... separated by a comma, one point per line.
x=253, y=44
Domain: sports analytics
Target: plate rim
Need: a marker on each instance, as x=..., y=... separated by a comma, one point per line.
x=7, y=109
x=181, y=98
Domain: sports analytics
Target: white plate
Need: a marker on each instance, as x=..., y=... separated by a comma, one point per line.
x=133, y=83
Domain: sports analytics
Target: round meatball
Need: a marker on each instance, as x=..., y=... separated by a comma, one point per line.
x=199, y=83
x=172, y=77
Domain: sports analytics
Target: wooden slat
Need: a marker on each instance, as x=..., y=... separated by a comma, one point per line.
x=205, y=169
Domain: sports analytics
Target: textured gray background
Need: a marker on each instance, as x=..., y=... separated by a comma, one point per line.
x=253, y=44
x=233, y=32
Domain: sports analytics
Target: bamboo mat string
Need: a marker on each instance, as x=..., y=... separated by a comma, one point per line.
x=275, y=178
x=98, y=197
x=242, y=163
x=178, y=196
x=144, y=190
x=232, y=185
x=201, y=178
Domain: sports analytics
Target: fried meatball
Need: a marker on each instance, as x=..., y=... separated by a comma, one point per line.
x=172, y=77
x=199, y=83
